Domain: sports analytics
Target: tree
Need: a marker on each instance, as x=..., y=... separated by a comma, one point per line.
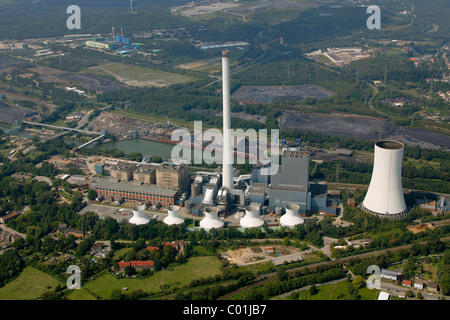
x=359, y=282
x=92, y=195
x=313, y=290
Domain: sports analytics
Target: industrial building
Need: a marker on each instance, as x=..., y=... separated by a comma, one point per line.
x=170, y=176
x=384, y=197
x=291, y=185
x=130, y=191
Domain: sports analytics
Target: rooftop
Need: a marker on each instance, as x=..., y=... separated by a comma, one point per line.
x=131, y=186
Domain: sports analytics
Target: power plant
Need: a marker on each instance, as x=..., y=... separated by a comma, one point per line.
x=384, y=198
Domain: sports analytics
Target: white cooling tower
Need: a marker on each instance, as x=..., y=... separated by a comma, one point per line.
x=251, y=218
x=384, y=197
x=291, y=218
x=211, y=219
x=139, y=216
x=174, y=216
x=227, y=162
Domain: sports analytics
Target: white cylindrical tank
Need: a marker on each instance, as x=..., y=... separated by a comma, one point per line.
x=211, y=219
x=252, y=218
x=291, y=218
x=384, y=197
x=174, y=216
x=139, y=216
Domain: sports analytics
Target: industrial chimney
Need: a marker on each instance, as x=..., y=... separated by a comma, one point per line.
x=227, y=165
x=174, y=216
x=384, y=197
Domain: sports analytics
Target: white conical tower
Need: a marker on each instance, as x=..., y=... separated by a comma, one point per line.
x=251, y=218
x=139, y=216
x=211, y=219
x=291, y=218
x=384, y=197
x=174, y=216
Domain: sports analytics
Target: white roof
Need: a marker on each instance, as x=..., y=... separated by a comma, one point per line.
x=383, y=296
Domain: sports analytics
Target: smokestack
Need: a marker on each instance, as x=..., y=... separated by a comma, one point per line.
x=114, y=34
x=121, y=34
x=227, y=171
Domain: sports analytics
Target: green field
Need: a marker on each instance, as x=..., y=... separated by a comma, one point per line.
x=338, y=291
x=137, y=76
x=30, y=284
x=195, y=268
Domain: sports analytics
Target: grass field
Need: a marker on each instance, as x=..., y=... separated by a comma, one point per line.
x=30, y=284
x=137, y=76
x=338, y=291
x=198, y=267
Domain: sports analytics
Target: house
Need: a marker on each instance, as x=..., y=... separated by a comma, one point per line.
x=419, y=284
x=76, y=233
x=96, y=247
x=390, y=275
x=433, y=287
x=407, y=283
x=138, y=265
x=12, y=215
x=150, y=249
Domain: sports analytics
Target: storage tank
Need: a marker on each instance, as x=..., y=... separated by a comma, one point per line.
x=174, y=216
x=291, y=218
x=211, y=219
x=252, y=218
x=139, y=216
x=384, y=196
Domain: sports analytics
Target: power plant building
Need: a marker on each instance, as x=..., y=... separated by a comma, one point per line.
x=291, y=185
x=170, y=176
x=134, y=192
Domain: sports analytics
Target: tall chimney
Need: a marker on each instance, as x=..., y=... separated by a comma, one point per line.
x=227, y=171
x=113, y=34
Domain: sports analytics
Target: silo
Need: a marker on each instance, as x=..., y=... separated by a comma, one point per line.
x=188, y=205
x=384, y=197
x=211, y=219
x=174, y=216
x=252, y=218
x=291, y=217
x=139, y=216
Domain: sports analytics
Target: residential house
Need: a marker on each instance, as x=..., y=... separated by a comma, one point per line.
x=390, y=275
x=138, y=265
x=419, y=284
x=433, y=287
x=407, y=283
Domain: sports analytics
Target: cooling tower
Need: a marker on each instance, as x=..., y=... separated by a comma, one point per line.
x=227, y=163
x=291, y=217
x=211, y=219
x=139, y=216
x=384, y=197
x=251, y=218
x=174, y=216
